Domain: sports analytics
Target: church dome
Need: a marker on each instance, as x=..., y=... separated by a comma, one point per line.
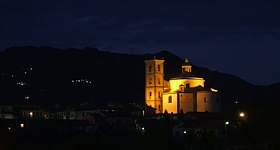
x=186, y=75
x=187, y=78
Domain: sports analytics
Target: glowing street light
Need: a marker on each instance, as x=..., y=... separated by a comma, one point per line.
x=31, y=114
x=142, y=130
x=226, y=123
x=242, y=114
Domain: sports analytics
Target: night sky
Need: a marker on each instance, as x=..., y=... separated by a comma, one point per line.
x=239, y=37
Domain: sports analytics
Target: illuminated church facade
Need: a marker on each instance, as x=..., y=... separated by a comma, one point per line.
x=185, y=92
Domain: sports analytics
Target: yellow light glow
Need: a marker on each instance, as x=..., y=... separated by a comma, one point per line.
x=170, y=106
x=242, y=114
x=213, y=90
x=22, y=125
x=192, y=82
x=31, y=114
x=9, y=128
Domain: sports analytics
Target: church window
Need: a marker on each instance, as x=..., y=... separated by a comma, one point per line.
x=159, y=107
x=150, y=93
x=158, y=67
x=204, y=99
x=159, y=94
x=170, y=99
x=150, y=68
x=158, y=80
x=150, y=81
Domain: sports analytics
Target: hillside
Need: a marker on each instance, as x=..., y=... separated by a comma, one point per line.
x=48, y=76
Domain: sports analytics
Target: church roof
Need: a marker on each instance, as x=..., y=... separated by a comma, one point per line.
x=196, y=89
x=186, y=75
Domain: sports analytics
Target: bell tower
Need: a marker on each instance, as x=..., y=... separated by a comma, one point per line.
x=154, y=70
x=187, y=67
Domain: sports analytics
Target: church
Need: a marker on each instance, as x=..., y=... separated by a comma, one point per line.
x=186, y=92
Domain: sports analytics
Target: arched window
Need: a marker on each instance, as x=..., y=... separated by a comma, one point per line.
x=158, y=80
x=158, y=67
x=150, y=81
x=159, y=94
x=150, y=68
x=170, y=99
x=150, y=93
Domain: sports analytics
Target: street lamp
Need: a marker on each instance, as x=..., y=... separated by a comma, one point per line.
x=31, y=114
x=226, y=123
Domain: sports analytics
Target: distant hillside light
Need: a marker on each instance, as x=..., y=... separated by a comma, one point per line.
x=21, y=83
x=26, y=97
x=81, y=81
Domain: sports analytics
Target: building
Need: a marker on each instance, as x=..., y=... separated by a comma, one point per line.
x=201, y=123
x=185, y=92
x=154, y=83
x=6, y=112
